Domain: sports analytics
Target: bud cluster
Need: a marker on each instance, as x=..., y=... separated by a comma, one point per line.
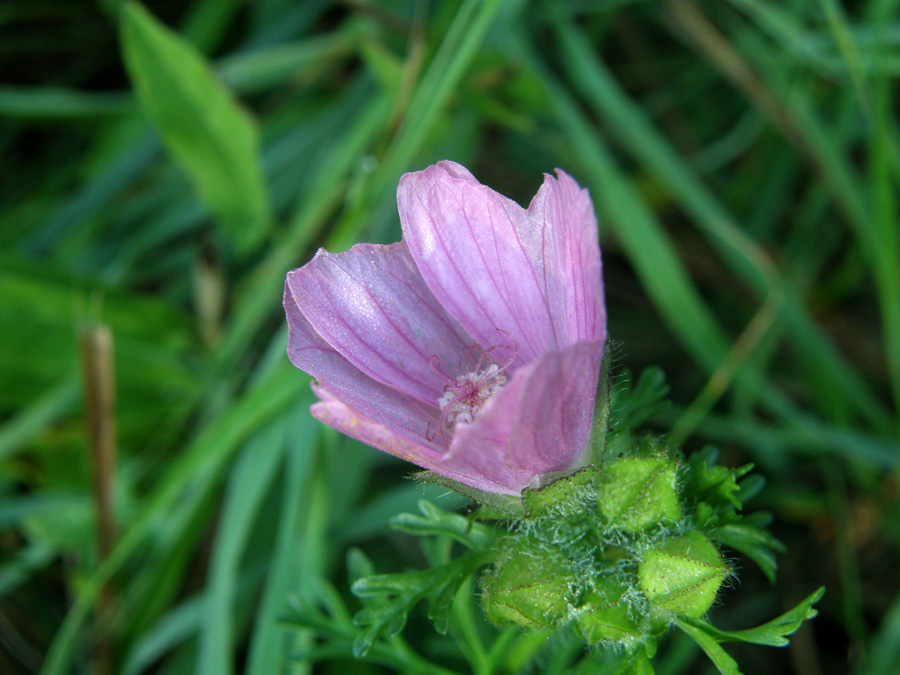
x=617, y=553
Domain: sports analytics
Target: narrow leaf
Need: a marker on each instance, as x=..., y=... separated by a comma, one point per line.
x=774, y=633
x=720, y=658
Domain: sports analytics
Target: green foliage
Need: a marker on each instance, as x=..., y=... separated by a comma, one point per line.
x=388, y=598
x=619, y=553
x=633, y=403
x=717, y=495
x=204, y=128
x=621, y=571
x=608, y=618
x=773, y=633
x=528, y=588
x=742, y=158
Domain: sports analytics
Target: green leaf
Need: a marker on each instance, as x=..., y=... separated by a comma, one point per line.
x=198, y=465
x=637, y=133
x=748, y=537
x=435, y=521
x=884, y=650
x=682, y=576
x=633, y=404
x=725, y=664
x=388, y=598
x=562, y=497
x=715, y=484
x=606, y=616
x=30, y=420
x=250, y=482
x=636, y=493
x=774, y=633
x=206, y=131
x=527, y=591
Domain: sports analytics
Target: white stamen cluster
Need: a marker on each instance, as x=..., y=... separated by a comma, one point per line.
x=465, y=397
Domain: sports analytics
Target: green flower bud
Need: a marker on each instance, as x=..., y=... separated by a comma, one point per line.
x=563, y=497
x=530, y=590
x=635, y=493
x=682, y=576
x=606, y=615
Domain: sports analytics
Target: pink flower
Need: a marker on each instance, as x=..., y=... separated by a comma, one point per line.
x=473, y=346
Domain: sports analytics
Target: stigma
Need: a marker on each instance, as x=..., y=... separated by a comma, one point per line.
x=481, y=376
x=466, y=396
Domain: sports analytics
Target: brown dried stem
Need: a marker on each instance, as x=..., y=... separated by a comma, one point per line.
x=98, y=382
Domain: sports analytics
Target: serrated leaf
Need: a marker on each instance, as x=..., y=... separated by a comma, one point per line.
x=750, y=487
x=773, y=633
x=442, y=603
x=204, y=128
x=720, y=658
x=631, y=406
x=390, y=597
x=712, y=483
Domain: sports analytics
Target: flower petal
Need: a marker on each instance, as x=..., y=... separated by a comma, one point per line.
x=338, y=379
x=348, y=421
x=566, y=216
x=537, y=425
x=495, y=266
x=371, y=304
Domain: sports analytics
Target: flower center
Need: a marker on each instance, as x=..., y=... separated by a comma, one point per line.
x=481, y=377
x=464, y=398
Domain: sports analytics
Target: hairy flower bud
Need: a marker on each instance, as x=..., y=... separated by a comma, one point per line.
x=637, y=492
x=528, y=589
x=681, y=576
x=610, y=550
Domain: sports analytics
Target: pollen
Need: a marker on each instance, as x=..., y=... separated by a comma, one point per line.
x=481, y=376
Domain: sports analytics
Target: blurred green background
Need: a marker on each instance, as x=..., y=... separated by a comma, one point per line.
x=161, y=175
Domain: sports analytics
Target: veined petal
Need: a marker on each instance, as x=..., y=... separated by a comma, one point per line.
x=565, y=214
x=372, y=306
x=340, y=380
x=537, y=425
x=480, y=256
x=348, y=421
x=495, y=266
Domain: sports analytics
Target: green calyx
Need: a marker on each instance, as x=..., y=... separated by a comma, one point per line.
x=528, y=590
x=637, y=493
x=681, y=576
x=610, y=614
x=611, y=551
